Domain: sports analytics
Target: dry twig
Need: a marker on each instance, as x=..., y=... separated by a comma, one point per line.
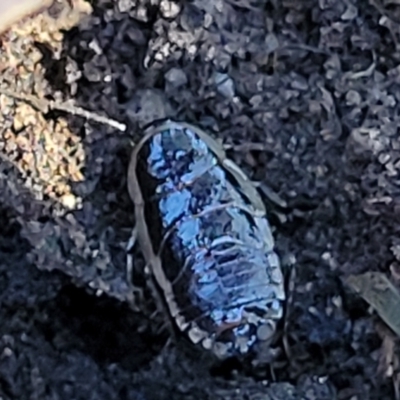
x=44, y=106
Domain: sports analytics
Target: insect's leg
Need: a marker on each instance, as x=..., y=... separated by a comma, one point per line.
x=289, y=270
x=270, y=194
x=137, y=291
x=129, y=257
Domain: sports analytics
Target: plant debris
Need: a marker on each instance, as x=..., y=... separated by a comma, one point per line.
x=381, y=294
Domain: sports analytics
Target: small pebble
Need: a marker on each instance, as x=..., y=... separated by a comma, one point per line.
x=176, y=77
x=169, y=9
x=225, y=85
x=353, y=98
x=69, y=201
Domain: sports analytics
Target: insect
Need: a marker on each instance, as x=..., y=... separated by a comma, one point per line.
x=202, y=228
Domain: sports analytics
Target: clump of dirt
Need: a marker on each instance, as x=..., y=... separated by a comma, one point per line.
x=305, y=96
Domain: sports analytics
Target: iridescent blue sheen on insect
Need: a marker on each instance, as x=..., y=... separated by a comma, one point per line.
x=216, y=247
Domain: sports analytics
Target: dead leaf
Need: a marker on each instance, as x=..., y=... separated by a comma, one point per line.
x=377, y=290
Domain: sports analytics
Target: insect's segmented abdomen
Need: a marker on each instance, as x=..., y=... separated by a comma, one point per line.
x=217, y=249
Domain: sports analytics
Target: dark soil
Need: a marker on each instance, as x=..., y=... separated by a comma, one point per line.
x=304, y=93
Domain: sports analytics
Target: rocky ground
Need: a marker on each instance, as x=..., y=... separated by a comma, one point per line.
x=305, y=94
